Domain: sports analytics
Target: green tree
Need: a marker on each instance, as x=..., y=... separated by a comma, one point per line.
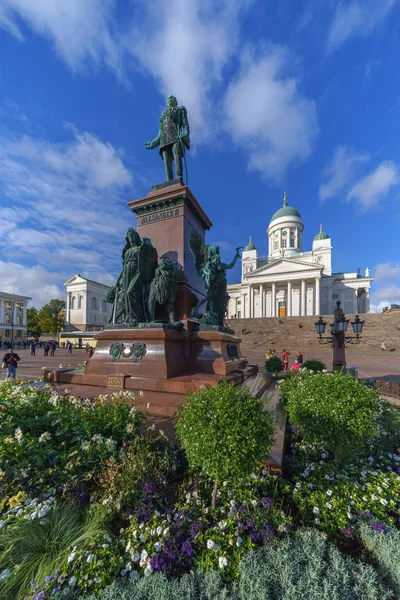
x=52, y=316
x=274, y=365
x=33, y=325
x=335, y=410
x=225, y=432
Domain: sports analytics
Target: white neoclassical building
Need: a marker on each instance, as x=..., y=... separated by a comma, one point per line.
x=87, y=308
x=13, y=323
x=291, y=282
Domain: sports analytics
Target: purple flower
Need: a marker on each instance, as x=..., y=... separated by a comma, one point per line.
x=48, y=578
x=143, y=514
x=378, y=527
x=249, y=523
x=158, y=563
x=194, y=529
x=187, y=548
x=40, y=596
x=33, y=583
x=267, y=502
x=241, y=508
x=56, y=590
x=57, y=572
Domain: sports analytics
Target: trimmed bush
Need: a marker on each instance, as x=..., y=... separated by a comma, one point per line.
x=274, y=365
x=335, y=411
x=225, y=432
x=384, y=544
x=314, y=365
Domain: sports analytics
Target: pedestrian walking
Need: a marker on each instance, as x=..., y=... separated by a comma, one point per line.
x=52, y=349
x=383, y=346
x=299, y=358
x=90, y=351
x=10, y=362
x=285, y=359
x=33, y=349
x=69, y=345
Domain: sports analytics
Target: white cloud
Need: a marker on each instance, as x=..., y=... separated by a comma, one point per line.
x=357, y=18
x=387, y=272
x=387, y=290
x=79, y=29
x=185, y=45
x=64, y=204
x=267, y=115
x=373, y=188
x=339, y=174
x=36, y=282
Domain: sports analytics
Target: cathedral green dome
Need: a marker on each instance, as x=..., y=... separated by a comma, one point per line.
x=250, y=246
x=321, y=235
x=285, y=211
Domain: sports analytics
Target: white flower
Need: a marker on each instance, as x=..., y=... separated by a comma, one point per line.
x=18, y=434
x=135, y=556
x=317, y=521
x=4, y=575
x=159, y=530
x=316, y=510
x=210, y=544
x=328, y=505
x=45, y=437
x=383, y=501
x=239, y=541
x=157, y=546
x=166, y=530
x=90, y=558
x=72, y=582
x=144, y=555
x=148, y=570
x=128, y=567
x=222, y=562
x=141, y=393
x=329, y=492
x=85, y=446
x=222, y=524
x=148, y=405
x=97, y=579
x=143, y=538
x=110, y=444
x=129, y=428
x=133, y=574
x=97, y=438
x=71, y=557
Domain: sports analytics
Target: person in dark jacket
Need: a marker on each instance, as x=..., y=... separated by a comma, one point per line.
x=10, y=361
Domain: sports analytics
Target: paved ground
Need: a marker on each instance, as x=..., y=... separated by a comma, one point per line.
x=383, y=365
x=30, y=367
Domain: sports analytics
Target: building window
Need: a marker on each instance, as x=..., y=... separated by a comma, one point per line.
x=18, y=334
x=94, y=318
x=7, y=319
x=284, y=243
x=105, y=319
x=239, y=314
x=19, y=306
x=80, y=302
x=18, y=320
x=73, y=303
x=8, y=305
x=239, y=302
x=7, y=333
x=104, y=306
x=335, y=296
x=94, y=303
x=292, y=238
x=276, y=244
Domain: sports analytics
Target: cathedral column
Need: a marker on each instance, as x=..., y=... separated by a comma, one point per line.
x=68, y=316
x=317, y=296
x=273, y=304
x=251, y=302
x=355, y=308
x=289, y=298
x=263, y=301
x=303, y=298
x=246, y=313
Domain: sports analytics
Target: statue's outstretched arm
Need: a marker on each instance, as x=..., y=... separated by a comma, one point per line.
x=156, y=142
x=232, y=264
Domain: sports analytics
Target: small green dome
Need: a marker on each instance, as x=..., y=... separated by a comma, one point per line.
x=250, y=246
x=321, y=235
x=285, y=211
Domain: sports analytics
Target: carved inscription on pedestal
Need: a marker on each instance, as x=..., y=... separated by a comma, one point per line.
x=116, y=381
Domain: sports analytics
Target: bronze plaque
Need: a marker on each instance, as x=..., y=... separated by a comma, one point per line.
x=116, y=381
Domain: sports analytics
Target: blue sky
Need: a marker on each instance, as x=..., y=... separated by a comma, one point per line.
x=302, y=96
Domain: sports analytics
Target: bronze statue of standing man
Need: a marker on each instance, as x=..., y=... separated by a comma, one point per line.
x=173, y=138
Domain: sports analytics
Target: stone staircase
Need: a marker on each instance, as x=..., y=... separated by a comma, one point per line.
x=299, y=332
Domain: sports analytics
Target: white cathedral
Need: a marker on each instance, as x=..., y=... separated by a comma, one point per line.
x=290, y=282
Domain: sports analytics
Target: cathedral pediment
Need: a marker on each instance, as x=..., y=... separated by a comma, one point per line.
x=284, y=266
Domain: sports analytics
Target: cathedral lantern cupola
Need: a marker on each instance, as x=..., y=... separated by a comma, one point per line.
x=249, y=259
x=285, y=231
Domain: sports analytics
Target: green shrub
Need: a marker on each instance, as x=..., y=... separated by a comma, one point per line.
x=225, y=432
x=385, y=547
x=314, y=365
x=148, y=458
x=307, y=566
x=335, y=411
x=33, y=550
x=207, y=586
x=273, y=365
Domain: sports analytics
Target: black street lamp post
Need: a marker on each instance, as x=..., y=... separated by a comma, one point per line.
x=338, y=338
